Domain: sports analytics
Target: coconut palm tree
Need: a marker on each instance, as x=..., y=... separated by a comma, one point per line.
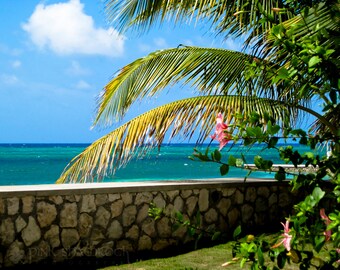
x=222, y=78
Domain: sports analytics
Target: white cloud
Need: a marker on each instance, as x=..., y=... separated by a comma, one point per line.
x=65, y=29
x=82, y=85
x=16, y=64
x=77, y=69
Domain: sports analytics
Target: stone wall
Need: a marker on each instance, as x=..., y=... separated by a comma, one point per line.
x=59, y=222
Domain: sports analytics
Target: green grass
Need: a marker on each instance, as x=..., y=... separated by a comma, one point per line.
x=206, y=258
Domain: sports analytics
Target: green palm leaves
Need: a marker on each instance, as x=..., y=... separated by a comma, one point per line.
x=210, y=71
x=274, y=79
x=213, y=72
x=225, y=16
x=148, y=130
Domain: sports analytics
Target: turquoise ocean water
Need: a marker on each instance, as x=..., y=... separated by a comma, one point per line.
x=29, y=164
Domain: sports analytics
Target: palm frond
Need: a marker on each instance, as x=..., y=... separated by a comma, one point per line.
x=227, y=16
x=332, y=117
x=318, y=18
x=210, y=70
x=148, y=130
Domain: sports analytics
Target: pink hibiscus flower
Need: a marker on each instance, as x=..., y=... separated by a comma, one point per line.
x=221, y=131
x=287, y=238
x=327, y=221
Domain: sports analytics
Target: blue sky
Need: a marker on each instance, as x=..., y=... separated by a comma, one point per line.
x=55, y=58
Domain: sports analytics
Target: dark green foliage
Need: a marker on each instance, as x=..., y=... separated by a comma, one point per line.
x=224, y=169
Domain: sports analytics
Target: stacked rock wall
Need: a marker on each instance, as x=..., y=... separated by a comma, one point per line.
x=95, y=220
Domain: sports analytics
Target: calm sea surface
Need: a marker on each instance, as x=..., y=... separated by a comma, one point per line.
x=28, y=164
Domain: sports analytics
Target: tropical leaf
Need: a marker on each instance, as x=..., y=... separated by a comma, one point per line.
x=322, y=19
x=315, y=20
x=319, y=17
x=148, y=130
x=227, y=17
x=332, y=117
x=209, y=70
x=219, y=75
